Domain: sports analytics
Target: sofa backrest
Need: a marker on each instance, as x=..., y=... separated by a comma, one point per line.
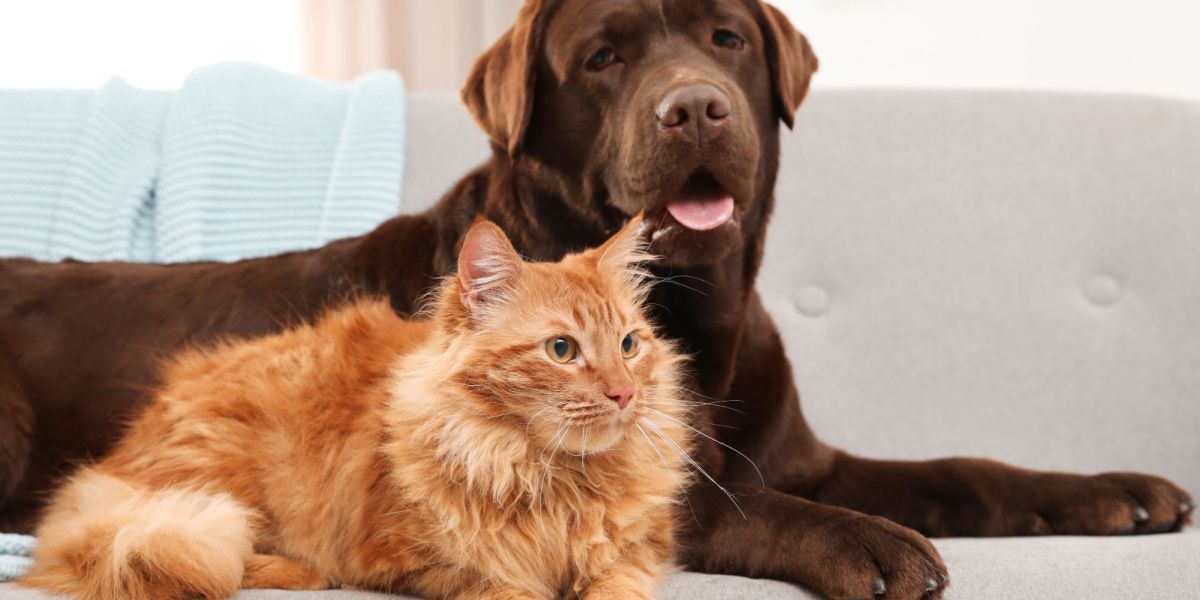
x=1007, y=274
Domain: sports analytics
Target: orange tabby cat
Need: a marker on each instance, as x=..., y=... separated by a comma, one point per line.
x=525, y=442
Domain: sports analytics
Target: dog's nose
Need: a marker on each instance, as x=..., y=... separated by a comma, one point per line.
x=697, y=112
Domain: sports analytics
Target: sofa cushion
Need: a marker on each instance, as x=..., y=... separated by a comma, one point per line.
x=1047, y=568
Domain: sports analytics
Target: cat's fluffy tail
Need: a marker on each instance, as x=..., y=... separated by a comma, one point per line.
x=105, y=539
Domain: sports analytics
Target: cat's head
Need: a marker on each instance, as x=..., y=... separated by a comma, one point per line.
x=564, y=349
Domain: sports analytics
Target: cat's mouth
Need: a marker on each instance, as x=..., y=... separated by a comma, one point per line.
x=597, y=435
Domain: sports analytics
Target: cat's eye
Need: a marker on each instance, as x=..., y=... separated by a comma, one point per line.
x=562, y=349
x=630, y=345
x=602, y=59
x=725, y=38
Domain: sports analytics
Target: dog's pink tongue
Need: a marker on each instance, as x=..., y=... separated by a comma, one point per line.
x=702, y=214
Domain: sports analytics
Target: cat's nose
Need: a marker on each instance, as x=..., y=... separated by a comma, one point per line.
x=620, y=394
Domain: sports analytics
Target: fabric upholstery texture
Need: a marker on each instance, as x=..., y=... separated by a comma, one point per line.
x=1159, y=567
x=1004, y=274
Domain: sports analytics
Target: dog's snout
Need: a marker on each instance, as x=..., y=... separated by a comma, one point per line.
x=696, y=112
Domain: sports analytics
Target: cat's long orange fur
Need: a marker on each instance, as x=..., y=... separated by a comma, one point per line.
x=447, y=457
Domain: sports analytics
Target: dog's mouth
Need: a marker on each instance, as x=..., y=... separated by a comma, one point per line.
x=702, y=203
x=697, y=224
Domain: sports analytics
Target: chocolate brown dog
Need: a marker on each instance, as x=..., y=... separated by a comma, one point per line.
x=596, y=110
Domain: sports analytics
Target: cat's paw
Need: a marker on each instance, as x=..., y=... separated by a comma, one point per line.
x=265, y=571
x=496, y=593
x=860, y=556
x=618, y=592
x=1109, y=504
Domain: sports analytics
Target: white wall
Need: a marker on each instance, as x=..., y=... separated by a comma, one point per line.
x=151, y=43
x=1136, y=46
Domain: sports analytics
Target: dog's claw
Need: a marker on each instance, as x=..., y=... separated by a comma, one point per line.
x=1185, y=506
x=1141, y=514
x=880, y=587
x=930, y=585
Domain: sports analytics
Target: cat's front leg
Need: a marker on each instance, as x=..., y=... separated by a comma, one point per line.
x=624, y=581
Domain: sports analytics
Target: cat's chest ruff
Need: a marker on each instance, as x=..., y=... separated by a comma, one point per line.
x=569, y=533
x=554, y=535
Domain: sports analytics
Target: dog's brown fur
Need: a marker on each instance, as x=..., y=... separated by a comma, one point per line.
x=452, y=457
x=575, y=153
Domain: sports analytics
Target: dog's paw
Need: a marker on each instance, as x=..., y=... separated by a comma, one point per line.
x=861, y=556
x=1110, y=504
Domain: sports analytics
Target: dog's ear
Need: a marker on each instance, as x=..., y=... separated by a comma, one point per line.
x=499, y=90
x=791, y=60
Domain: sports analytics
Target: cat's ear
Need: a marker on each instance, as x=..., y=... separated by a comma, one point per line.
x=625, y=251
x=487, y=266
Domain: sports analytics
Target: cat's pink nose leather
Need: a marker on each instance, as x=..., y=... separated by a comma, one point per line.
x=621, y=395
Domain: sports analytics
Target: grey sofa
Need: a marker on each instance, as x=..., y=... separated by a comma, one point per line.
x=1014, y=275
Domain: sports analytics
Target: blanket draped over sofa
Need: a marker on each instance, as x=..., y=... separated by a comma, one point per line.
x=241, y=161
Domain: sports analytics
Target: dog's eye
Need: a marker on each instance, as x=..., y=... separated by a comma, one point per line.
x=724, y=38
x=601, y=59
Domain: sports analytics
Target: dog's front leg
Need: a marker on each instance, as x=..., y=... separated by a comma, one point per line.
x=978, y=497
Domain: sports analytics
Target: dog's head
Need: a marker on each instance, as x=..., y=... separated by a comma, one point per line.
x=670, y=107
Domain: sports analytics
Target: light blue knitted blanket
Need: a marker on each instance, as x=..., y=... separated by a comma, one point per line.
x=241, y=161
x=15, y=551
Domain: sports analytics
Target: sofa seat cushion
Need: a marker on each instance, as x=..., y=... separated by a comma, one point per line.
x=1047, y=568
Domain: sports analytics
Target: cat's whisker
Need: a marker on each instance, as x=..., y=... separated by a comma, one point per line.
x=695, y=403
x=589, y=408
x=583, y=453
x=661, y=307
x=541, y=491
x=562, y=428
x=499, y=415
x=671, y=280
x=686, y=276
x=684, y=455
x=535, y=416
x=584, y=420
x=708, y=437
x=581, y=405
x=662, y=459
x=651, y=402
x=547, y=467
x=692, y=392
